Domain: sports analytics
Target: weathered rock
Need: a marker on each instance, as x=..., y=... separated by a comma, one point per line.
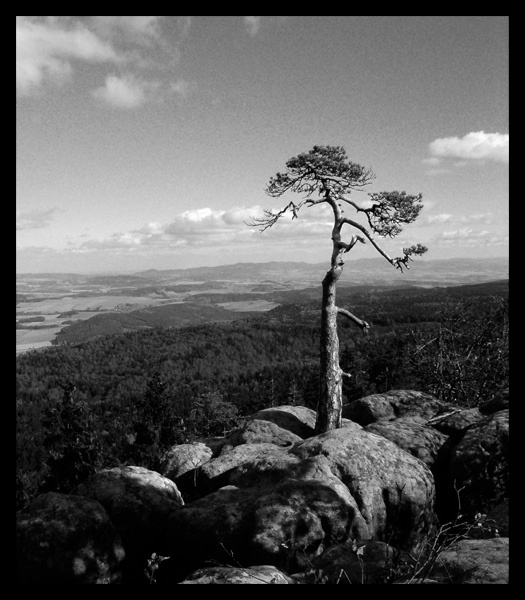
x=354, y=562
x=394, y=404
x=215, y=473
x=479, y=464
x=273, y=469
x=474, y=561
x=394, y=491
x=258, y=431
x=138, y=502
x=296, y=419
x=456, y=422
x=425, y=443
x=183, y=458
x=285, y=525
x=62, y=539
x=263, y=574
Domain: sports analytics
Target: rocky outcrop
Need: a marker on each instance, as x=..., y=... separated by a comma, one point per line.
x=138, y=502
x=299, y=420
x=425, y=443
x=215, y=473
x=261, y=574
x=394, y=404
x=394, y=491
x=285, y=506
x=183, y=458
x=259, y=431
x=466, y=451
x=63, y=539
x=284, y=525
x=274, y=503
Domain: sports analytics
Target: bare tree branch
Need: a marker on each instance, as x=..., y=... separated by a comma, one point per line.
x=369, y=237
x=363, y=324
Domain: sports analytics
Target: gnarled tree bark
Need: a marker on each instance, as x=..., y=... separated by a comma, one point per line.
x=329, y=408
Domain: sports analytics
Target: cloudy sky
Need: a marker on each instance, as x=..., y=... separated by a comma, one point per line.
x=147, y=142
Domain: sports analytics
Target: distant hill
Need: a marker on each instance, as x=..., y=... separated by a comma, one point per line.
x=168, y=315
x=274, y=275
x=362, y=271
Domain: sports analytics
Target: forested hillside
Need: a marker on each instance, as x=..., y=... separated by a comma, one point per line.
x=168, y=315
x=125, y=398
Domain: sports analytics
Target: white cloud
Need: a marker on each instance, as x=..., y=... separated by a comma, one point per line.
x=442, y=218
x=476, y=145
x=51, y=49
x=486, y=218
x=124, y=92
x=464, y=233
x=36, y=219
x=140, y=28
x=210, y=228
x=45, y=49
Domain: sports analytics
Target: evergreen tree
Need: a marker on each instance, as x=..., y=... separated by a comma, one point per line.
x=324, y=175
x=71, y=440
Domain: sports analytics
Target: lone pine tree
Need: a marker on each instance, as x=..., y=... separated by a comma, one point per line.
x=325, y=175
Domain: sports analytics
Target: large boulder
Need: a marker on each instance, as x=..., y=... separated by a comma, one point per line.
x=139, y=502
x=62, y=539
x=215, y=473
x=394, y=404
x=425, y=443
x=271, y=470
x=299, y=420
x=285, y=525
x=260, y=431
x=479, y=464
x=260, y=574
x=183, y=458
x=285, y=506
x=394, y=491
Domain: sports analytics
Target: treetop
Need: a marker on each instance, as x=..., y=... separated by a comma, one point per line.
x=327, y=172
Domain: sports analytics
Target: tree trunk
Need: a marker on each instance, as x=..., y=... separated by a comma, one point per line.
x=330, y=403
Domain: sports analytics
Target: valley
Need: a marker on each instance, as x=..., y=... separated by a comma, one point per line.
x=74, y=307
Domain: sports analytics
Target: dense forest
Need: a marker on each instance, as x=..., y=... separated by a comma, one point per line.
x=124, y=399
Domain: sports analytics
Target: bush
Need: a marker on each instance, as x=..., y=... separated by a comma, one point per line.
x=466, y=359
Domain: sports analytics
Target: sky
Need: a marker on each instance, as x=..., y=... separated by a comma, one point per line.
x=148, y=142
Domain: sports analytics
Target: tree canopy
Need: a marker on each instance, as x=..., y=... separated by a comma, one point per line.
x=326, y=175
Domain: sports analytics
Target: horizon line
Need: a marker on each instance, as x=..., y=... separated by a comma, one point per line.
x=364, y=259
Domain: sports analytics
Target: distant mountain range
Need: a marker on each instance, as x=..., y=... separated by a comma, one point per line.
x=373, y=271
x=288, y=275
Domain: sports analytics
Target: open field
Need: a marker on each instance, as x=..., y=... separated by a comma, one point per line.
x=55, y=305
x=39, y=335
x=249, y=305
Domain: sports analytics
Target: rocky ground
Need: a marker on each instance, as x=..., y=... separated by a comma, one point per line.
x=377, y=501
